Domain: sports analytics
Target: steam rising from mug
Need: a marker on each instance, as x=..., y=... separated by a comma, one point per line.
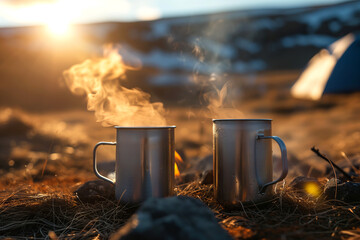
x=101, y=81
x=218, y=105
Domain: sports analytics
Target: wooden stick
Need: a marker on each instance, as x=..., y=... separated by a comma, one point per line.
x=316, y=150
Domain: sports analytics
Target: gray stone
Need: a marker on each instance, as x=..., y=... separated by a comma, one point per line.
x=172, y=218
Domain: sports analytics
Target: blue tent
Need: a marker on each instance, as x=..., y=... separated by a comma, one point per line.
x=332, y=70
x=345, y=76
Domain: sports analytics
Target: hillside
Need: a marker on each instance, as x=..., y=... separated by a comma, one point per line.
x=173, y=53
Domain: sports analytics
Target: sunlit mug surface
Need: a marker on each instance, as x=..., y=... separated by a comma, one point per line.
x=242, y=158
x=144, y=166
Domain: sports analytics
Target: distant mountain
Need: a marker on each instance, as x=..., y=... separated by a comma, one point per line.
x=233, y=42
x=174, y=50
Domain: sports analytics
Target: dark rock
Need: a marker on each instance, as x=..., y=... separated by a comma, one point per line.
x=207, y=177
x=344, y=191
x=172, y=218
x=96, y=190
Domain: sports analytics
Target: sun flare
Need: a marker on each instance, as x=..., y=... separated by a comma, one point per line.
x=58, y=28
x=312, y=189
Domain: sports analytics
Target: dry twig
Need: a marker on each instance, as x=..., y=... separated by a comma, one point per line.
x=317, y=151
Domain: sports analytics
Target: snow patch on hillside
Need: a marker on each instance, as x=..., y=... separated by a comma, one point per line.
x=319, y=41
x=344, y=13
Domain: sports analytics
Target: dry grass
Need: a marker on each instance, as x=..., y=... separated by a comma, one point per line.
x=289, y=215
x=47, y=208
x=27, y=213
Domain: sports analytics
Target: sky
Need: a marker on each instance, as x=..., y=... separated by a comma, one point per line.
x=44, y=12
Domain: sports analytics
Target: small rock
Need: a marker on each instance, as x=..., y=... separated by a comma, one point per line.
x=207, y=177
x=348, y=192
x=172, y=218
x=96, y=190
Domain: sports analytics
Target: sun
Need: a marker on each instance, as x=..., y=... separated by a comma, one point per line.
x=58, y=27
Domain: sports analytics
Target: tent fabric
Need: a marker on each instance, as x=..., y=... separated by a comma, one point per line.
x=345, y=76
x=332, y=70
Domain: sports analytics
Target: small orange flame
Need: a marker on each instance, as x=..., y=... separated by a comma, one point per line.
x=178, y=160
x=177, y=172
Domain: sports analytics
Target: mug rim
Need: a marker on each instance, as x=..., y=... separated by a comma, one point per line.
x=242, y=119
x=145, y=127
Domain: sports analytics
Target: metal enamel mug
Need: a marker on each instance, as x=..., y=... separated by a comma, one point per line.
x=242, y=158
x=144, y=166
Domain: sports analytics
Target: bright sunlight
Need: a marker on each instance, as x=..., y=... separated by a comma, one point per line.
x=58, y=28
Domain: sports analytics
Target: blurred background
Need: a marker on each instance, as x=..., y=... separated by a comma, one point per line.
x=180, y=52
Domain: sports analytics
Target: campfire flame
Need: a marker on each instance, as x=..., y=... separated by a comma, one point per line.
x=101, y=81
x=178, y=160
x=177, y=172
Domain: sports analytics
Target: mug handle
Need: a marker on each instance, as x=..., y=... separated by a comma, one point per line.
x=95, y=164
x=283, y=159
